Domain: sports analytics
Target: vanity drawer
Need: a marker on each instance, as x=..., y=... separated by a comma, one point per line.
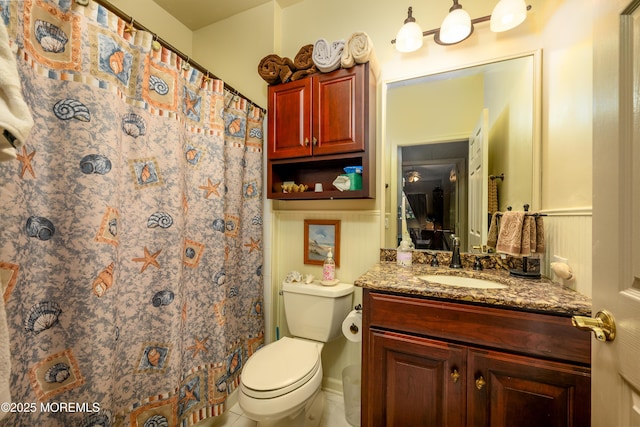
x=543, y=335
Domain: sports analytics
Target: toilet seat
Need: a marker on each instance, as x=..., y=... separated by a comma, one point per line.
x=280, y=367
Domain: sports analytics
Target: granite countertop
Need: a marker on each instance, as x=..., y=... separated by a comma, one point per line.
x=539, y=295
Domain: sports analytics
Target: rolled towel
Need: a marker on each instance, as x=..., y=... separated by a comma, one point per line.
x=304, y=58
x=15, y=117
x=358, y=50
x=274, y=69
x=327, y=56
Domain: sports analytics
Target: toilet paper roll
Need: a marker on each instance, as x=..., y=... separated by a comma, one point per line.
x=352, y=326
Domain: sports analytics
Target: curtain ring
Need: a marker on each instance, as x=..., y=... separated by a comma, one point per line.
x=155, y=44
x=185, y=65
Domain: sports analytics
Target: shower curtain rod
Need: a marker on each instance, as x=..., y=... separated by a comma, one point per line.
x=187, y=59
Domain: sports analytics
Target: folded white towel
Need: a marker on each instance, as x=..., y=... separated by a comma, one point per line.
x=15, y=118
x=358, y=50
x=326, y=57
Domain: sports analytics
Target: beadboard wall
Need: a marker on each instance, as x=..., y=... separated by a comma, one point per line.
x=568, y=235
x=359, y=251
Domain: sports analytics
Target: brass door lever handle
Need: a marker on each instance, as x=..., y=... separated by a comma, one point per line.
x=603, y=325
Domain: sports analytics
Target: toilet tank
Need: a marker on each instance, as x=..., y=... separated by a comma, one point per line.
x=316, y=312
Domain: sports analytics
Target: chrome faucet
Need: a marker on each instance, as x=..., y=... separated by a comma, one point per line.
x=455, y=255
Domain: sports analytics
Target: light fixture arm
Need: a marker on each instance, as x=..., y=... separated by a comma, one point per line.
x=410, y=17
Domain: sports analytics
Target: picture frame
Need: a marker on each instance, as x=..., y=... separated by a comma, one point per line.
x=320, y=235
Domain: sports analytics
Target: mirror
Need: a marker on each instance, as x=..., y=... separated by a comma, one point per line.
x=431, y=123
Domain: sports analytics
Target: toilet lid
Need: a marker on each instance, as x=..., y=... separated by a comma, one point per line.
x=280, y=367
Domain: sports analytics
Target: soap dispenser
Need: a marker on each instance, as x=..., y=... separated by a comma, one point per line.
x=404, y=253
x=329, y=268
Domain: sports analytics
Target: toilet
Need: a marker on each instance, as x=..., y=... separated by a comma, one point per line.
x=281, y=383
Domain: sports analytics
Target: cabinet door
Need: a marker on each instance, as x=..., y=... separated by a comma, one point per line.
x=508, y=390
x=339, y=116
x=289, y=120
x=413, y=381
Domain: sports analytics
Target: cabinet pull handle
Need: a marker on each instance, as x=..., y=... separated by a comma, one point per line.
x=455, y=376
x=480, y=382
x=306, y=142
x=314, y=140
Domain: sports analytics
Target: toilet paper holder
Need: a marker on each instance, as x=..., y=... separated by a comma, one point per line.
x=354, y=328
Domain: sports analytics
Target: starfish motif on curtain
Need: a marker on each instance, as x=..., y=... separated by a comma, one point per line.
x=148, y=259
x=190, y=104
x=185, y=203
x=198, y=346
x=254, y=245
x=188, y=396
x=25, y=159
x=211, y=188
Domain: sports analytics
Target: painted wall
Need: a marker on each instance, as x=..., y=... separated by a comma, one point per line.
x=233, y=48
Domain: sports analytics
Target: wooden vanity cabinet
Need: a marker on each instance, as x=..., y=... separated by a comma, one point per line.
x=317, y=126
x=436, y=363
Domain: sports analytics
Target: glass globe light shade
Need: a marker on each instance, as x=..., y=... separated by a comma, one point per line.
x=455, y=27
x=508, y=14
x=409, y=38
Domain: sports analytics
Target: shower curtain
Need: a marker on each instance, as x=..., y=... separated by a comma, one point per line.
x=130, y=227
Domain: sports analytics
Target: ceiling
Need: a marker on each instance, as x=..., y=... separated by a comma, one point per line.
x=196, y=14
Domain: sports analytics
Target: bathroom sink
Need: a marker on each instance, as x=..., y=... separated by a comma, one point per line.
x=464, y=282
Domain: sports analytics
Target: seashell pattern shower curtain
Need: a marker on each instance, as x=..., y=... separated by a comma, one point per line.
x=130, y=227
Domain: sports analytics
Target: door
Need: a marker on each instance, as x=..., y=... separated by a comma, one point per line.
x=414, y=381
x=289, y=120
x=478, y=183
x=339, y=110
x=616, y=209
x=506, y=390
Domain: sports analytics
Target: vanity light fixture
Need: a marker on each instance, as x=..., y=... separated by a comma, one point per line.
x=457, y=26
x=413, y=176
x=409, y=37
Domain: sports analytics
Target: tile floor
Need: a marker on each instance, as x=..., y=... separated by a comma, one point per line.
x=333, y=415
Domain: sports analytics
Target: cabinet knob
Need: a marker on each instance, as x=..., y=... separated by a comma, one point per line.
x=306, y=142
x=314, y=141
x=455, y=376
x=480, y=382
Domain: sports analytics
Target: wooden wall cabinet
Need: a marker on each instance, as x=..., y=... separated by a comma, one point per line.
x=316, y=127
x=434, y=363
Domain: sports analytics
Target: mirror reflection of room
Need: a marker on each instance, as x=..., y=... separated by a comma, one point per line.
x=434, y=179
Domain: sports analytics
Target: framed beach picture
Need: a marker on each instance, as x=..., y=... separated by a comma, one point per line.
x=320, y=235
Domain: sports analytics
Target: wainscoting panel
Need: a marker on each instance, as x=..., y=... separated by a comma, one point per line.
x=568, y=235
x=359, y=251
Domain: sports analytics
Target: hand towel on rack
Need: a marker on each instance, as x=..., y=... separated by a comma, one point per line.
x=327, y=56
x=539, y=247
x=510, y=234
x=15, y=118
x=357, y=50
x=493, y=196
x=492, y=237
x=528, y=244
